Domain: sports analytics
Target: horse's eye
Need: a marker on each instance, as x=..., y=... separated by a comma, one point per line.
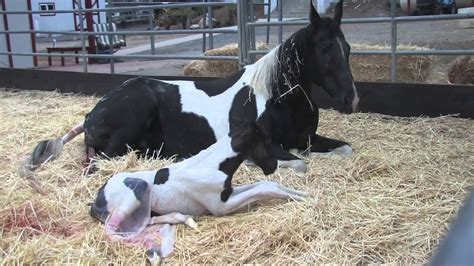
x=325, y=47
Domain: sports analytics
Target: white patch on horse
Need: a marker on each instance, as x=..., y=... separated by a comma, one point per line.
x=263, y=73
x=211, y=107
x=341, y=47
x=355, y=101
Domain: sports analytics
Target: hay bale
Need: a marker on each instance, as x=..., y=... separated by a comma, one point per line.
x=466, y=23
x=388, y=203
x=376, y=68
x=217, y=68
x=461, y=70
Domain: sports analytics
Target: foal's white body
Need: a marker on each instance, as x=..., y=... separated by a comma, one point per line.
x=194, y=186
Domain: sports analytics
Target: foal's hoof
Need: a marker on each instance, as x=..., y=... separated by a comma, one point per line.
x=153, y=257
x=191, y=223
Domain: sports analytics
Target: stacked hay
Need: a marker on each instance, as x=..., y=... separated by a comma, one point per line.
x=461, y=71
x=376, y=68
x=388, y=203
x=217, y=68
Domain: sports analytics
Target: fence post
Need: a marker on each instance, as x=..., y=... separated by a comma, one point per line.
x=280, y=18
x=210, y=13
x=111, y=42
x=393, y=48
x=83, y=38
x=151, y=23
x=242, y=17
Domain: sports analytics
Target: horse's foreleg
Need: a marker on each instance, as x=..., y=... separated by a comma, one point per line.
x=288, y=160
x=320, y=144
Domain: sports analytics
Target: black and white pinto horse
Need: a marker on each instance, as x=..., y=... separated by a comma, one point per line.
x=184, y=117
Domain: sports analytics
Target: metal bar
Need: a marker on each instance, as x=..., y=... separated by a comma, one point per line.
x=211, y=26
x=90, y=28
x=111, y=43
x=397, y=52
x=152, y=28
x=158, y=57
x=251, y=30
x=280, y=18
x=242, y=28
x=269, y=9
x=204, y=23
x=83, y=38
x=393, y=42
x=118, y=9
x=143, y=32
x=368, y=20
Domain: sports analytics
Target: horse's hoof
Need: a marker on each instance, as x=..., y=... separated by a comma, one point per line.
x=249, y=163
x=300, y=167
x=345, y=150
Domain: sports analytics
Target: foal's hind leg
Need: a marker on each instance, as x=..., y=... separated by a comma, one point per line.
x=247, y=194
x=174, y=218
x=320, y=144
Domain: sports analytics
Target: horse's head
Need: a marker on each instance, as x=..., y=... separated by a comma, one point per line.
x=327, y=58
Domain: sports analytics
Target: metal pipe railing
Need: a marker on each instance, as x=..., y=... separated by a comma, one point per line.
x=245, y=30
x=397, y=52
x=157, y=57
x=118, y=9
x=140, y=32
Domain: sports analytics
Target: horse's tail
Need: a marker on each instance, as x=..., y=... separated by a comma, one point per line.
x=45, y=151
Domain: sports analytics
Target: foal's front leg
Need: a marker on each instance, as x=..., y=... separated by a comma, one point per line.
x=247, y=194
x=174, y=218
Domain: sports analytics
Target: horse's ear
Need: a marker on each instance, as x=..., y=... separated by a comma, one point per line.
x=313, y=15
x=338, y=12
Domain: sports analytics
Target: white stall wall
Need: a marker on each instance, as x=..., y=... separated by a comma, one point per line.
x=60, y=22
x=3, y=44
x=21, y=43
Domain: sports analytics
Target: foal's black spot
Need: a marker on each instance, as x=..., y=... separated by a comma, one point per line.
x=225, y=195
x=161, y=176
x=99, y=209
x=137, y=185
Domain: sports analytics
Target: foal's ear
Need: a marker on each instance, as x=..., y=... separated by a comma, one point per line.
x=313, y=15
x=338, y=12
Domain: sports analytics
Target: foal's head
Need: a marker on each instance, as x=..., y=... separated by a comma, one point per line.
x=253, y=142
x=322, y=54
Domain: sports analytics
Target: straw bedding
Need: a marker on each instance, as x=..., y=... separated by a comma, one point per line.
x=390, y=202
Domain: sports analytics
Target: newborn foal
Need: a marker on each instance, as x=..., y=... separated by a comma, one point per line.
x=199, y=185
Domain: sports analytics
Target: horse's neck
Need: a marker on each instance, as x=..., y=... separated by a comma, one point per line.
x=211, y=157
x=273, y=78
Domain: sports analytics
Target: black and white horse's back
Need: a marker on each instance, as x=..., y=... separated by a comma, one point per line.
x=184, y=117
